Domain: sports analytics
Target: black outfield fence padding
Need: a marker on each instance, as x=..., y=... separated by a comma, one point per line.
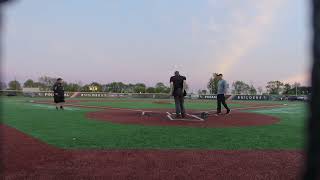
x=252, y=97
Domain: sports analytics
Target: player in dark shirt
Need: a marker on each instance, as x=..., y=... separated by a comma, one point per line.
x=58, y=94
x=178, y=91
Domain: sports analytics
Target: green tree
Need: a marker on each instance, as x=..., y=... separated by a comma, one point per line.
x=85, y=88
x=3, y=86
x=29, y=84
x=122, y=87
x=260, y=90
x=129, y=88
x=46, y=82
x=72, y=87
x=151, y=90
x=116, y=87
x=240, y=87
x=140, y=88
x=252, y=90
x=14, y=85
x=97, y=85
x=274, y=87
x=39, y=85
x=287, y=89
x=213, y=84
x=167, y=90
x=161, y=88
x=112, y=87
x=304, y=90
x=88, y=87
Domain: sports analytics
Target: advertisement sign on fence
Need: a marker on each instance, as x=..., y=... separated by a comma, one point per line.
x=211, y=96
x=251, y=97
x=104, y=95
x=207, y=96
x=238, y=97
x=94, y=95
x=50, y=94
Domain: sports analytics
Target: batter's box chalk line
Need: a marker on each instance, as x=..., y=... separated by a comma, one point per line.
x=196, y=118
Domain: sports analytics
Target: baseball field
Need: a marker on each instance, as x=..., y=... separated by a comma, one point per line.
x=127, y=138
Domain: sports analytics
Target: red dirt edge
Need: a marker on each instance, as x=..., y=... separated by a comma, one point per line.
x=24, y=157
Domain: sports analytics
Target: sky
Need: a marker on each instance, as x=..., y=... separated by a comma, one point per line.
x=147, y=40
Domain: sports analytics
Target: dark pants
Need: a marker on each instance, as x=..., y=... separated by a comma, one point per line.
x=58, y=98
x=179, y=101
x=221, y=100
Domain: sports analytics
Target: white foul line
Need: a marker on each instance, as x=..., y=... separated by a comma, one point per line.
x=169, y=115
x=191, y=120
x=196, y=117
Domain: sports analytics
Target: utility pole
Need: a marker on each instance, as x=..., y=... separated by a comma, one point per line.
x=296, y=84
x=15, y=83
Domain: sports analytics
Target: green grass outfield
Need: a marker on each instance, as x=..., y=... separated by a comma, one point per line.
x=72, y=130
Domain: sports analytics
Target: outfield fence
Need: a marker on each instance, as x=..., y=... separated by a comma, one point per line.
x=150, y=95
x=84, y=94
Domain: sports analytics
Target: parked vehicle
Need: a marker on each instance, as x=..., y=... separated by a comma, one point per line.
x=292, y=98
x=29, y=94
x=302, y=98
x=12, y=94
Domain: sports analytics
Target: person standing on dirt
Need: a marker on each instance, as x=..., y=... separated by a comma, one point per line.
x=58, y=94
x=222, y=90
x=178, y=91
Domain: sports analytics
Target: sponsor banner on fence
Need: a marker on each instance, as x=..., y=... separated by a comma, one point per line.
x=133, y=95
x=211, y=96
x=94, y=95
x=104, y=95
x=207, y=96
x=80, y=94
x=251, y=97
x=50, y=94
x=238, y=97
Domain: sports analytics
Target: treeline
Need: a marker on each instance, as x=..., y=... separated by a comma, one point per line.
x=45, y=83
x=272, y=88
x=278, y=87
